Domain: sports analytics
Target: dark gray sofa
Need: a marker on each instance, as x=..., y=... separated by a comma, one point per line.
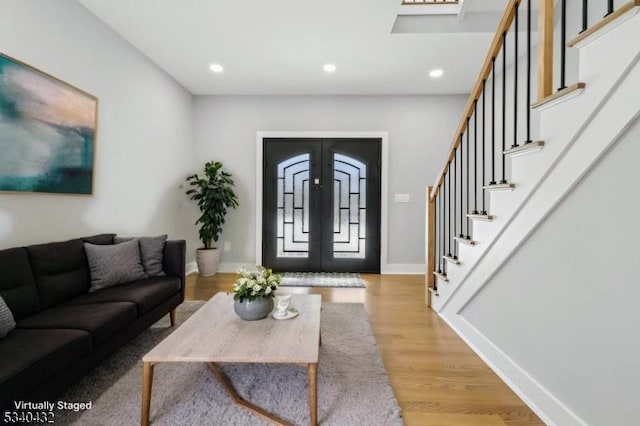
x=63, y=331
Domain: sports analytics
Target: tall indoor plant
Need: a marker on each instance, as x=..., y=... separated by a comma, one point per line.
x=214, y=194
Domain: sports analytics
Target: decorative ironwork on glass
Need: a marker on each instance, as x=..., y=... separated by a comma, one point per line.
x=350, y=207
x=293, y=207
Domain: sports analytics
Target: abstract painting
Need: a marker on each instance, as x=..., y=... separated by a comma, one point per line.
x=47, y=132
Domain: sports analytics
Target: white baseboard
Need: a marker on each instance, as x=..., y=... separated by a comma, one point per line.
x=546, y=406
x=224, y=267
x=393, y=268
x=404, y=268
x=191, y=268
x=233, y=267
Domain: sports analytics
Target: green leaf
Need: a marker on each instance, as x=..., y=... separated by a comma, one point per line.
x=213, y=194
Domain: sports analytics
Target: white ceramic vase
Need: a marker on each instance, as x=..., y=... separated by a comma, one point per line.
x=208, y=261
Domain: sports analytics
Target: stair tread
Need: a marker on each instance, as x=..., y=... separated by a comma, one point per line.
x=524, y=148
x=441, y=276
x=479, y=216
x=467, y=241
x=451, y=260
x=500, y=187
x=560, y=96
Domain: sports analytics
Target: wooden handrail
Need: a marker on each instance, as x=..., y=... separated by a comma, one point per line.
x=485, y=72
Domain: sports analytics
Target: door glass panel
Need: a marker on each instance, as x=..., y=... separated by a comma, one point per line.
x=350, y=207
x=293, y=207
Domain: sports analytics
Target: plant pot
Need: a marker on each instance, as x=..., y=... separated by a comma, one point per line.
x=251, y=310
x=208, y=261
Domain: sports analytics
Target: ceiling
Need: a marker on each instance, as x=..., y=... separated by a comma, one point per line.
x=279, y=47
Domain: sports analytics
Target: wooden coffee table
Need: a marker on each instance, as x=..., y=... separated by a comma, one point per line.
x=215, y=334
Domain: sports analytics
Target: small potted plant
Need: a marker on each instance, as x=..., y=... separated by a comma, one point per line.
x=214, y=194
x=253, y=293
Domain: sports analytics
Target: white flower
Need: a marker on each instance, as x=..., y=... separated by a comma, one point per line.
x=257, y=287
x=253, y=293
x=268, y=290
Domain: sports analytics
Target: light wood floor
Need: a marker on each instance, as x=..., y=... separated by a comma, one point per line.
x=436, y=377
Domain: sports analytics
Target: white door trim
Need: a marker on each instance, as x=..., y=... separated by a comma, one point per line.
x=384, y=192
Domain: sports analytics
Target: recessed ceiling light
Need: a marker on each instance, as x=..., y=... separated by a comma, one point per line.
x=329, y=68
x=436, y=73
x=217, y=68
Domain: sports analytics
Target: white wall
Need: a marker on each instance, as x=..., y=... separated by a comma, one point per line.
x=144, y=135
x=420, y=130
x=563, y=305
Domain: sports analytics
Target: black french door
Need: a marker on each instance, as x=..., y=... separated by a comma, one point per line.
x=321, y=205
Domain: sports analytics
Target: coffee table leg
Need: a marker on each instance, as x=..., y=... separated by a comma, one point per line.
x=228, y=387
x=313, y=393
x=147, y=381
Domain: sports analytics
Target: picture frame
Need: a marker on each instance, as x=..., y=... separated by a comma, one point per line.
x=48, y=131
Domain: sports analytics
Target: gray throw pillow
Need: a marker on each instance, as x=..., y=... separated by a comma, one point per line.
x=151, y=252
x=7, y=323
x=110, y=265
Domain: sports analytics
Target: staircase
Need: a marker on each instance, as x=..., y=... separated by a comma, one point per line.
x=513, y=161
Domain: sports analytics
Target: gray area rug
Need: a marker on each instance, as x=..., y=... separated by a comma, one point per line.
x=353, y=387
x=322, y=279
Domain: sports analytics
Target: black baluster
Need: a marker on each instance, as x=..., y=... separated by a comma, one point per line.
x=467, y=205
x=450, y=235
x=484, y=116
x=609, y=7
x=475, y=157
x=438, y=220
x=528, y=72
x=461, y=187
x=455, y=206
x=515, y=79
x=504, y=102
x=493, y=124
x=444, y=263
x=445, y=239
x=563, y=44
x=585, y=7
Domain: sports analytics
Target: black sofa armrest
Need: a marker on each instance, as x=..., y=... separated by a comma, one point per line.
x=174, y=262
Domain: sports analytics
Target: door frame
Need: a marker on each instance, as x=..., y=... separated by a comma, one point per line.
x=384, y=179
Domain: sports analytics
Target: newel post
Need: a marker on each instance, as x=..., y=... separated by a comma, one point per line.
x=545, y=61
x=431, y=245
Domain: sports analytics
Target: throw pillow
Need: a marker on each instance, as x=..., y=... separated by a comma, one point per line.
x=110, y=265
x=7, y=323
x=151, y=252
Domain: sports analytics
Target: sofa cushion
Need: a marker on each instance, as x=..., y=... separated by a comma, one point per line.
x=31, y=357
x=100, y=319
x=146, y=294
x=101, y=239
x=17, y=285
x=151, y=252
x=60, y=271
x=110, y=265
x=7, y=323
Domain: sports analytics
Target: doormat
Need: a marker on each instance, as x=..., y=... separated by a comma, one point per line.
x=322, y=279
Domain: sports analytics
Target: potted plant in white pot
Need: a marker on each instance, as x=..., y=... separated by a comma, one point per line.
x=214, y=194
